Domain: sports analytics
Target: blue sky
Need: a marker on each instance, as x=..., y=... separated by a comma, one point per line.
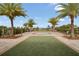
x=40, y=12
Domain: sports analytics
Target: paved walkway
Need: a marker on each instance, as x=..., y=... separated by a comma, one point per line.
x=6, y=44
x=74, y=44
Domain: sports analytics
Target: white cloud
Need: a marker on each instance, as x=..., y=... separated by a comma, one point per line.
x=49, y=24
x=61, y=20
x=35, y=25
x=58, y=7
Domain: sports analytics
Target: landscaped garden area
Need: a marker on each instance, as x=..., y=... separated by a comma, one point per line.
x=42, y=33
x=11, y=10
x=41, y=46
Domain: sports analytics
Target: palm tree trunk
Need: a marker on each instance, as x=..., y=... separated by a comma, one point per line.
x=31, y=29
x=12, y=29
x=54, y=28
x=72, y=26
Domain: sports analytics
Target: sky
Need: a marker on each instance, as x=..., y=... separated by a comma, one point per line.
x=40, y=12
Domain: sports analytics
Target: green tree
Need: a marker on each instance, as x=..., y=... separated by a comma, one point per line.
x=30, y=24
x=71, y=10
x=11, y=10
x=53, y=22
x=25, y=26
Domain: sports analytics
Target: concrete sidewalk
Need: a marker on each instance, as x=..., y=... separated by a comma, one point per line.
x=74, y=44
x=6, y=44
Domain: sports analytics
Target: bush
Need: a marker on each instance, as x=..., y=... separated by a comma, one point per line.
x=7, y=30
x=3, y=28
x=66, y=28
x=19, y=30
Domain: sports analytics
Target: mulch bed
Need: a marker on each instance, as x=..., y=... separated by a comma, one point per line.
x=9, y=37
x=69, y=37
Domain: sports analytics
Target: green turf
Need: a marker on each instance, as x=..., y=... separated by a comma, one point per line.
x=41, y=46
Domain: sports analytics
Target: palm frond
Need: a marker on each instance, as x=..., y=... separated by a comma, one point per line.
x=68, y=9
x=12, y=10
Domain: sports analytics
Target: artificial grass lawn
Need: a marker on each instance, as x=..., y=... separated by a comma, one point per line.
x=40, y=46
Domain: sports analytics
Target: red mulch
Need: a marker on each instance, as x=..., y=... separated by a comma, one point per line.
x=69, y=37
x=9, y=37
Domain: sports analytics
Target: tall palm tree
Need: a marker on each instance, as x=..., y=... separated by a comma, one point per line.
x=71, y=10
x=30, y=23
x=11, y=10
x=53, y=22
x=25, y=25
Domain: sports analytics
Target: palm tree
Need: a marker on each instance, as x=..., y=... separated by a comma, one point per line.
x=53, y=22
x=11, y=10
x=25, y=26
x=30, y=24
x=71, y=10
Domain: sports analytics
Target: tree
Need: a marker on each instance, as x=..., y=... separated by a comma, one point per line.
x=66, y=29
x=53, y=22
x=71, y=10
x=25, y=24
x=48, y=27
x=11, y=10
x=26, y=27
x=30, y=24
